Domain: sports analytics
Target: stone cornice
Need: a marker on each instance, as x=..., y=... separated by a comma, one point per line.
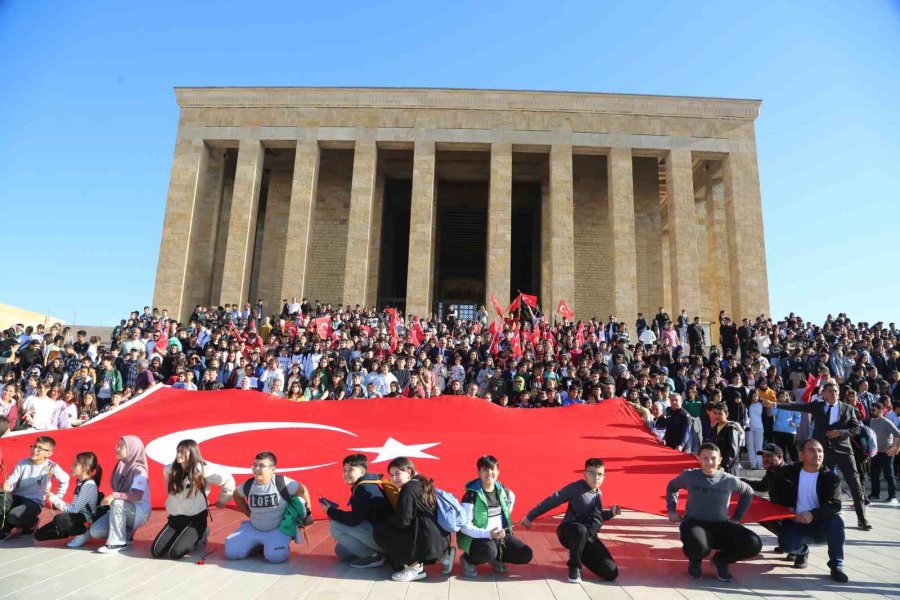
x=458, y=99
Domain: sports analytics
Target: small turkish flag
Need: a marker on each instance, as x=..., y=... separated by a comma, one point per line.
x=564, y=310
x=530, y=300
x=496, y=304
x=323, y=327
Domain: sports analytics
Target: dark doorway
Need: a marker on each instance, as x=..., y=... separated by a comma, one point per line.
x=459, y=277
x=394, y=260
x=525, y=265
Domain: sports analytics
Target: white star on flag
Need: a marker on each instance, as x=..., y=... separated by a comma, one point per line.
x=392, y=449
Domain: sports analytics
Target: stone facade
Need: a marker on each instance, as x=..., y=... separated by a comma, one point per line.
x=644, y=201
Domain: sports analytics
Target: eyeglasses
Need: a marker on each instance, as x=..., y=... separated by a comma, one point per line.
x=39, y=448
x=260, y=466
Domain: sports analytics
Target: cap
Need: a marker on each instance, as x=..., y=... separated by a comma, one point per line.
x=771, y=449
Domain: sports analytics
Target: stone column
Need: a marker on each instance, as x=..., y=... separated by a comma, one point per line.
x=242, y=223
x=359, y=223
x=682, y=223
x=559, y=263
x=422, y=221
x=621, y=233
x=303, y=199
x=744, y=225
x=499, y=233
x=185, y=187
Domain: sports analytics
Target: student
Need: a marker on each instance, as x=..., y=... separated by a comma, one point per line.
x=129, y=502
x=706, y=524
x=579, y=531
x=410, y=536
x=74, y=518
x=728, y=437
x=487, y=536
x=187, y=483
x=353, y=530
x=265, y=499
x=24, y=490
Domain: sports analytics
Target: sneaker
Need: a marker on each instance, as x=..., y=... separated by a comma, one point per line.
x=499, y=566
x=893, y=501
x=864, y=525
x=574, y=574
x=874, y=498
x=695, y=569
x=723, y=573
x=468, y=569
x=777, y=550
x=447, y=560
x=413, y=573
x=203, y=540
x=837, y=573
x=790, y=557
x=108, y=549
x=5, y=535
x=79, y=540
x=800, y=562
x=867, y=501
x=369, y=562
x=25, y=532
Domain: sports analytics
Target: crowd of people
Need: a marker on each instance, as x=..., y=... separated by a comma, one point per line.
x=787, y=384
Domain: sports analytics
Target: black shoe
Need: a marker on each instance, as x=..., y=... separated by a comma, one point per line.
x=25, y=532
x=790, y=557
x=800, y=561
x=574, y=574
x=777, y=550
x=864, y=525
x=695, y=569
x=5, y=535
x=874, y=498
x=723, y=573
x=867, y=502
x=837, y=573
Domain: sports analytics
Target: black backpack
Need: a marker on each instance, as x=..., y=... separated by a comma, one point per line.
x=279, y=483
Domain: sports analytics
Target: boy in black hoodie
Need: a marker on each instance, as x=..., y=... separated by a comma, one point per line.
x=353, y=529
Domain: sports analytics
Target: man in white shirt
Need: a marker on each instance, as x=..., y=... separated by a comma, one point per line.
x=814, y=493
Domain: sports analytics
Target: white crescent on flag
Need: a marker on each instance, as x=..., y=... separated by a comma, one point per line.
x=162, y=449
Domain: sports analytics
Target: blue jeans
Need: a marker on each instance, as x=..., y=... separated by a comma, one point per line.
x=795, y=537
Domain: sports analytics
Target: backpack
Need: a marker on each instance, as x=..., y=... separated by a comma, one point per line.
x=866, y=441
x=282, y=490
x=450, y=514
x=391, y=492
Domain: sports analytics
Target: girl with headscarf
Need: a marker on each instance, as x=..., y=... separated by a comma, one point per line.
x=129, y=501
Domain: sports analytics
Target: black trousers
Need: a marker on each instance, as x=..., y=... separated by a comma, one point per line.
x=16, y=511
x=62, y=526
x=882, y=463
x=514, y=551
x=847, y=464
x=179, y=536
x=733, y=541
x=588, y=550
x=788, y=443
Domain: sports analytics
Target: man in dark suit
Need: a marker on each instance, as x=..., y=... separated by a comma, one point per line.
x=814, y=493
x=833, y=425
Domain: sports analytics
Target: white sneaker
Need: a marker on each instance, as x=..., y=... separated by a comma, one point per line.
x=893, y=501
x=110, y=549
x=413, y=573
x=79, y=540
x=447, y=560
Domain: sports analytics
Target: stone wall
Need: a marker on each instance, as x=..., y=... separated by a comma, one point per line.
x=593, y=255
x=648, y=236
x=328, y=238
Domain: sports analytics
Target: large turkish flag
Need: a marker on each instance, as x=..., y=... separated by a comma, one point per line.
x=539, y=450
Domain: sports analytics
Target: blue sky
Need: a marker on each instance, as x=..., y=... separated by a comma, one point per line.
x=89, y=117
